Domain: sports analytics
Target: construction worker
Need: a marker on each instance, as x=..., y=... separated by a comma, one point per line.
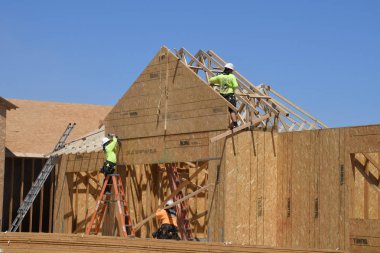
x=228, y=83
x=168, y=220
x=110, y=146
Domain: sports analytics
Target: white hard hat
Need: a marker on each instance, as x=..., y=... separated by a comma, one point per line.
x=105, y=140
x=169, y=202
x=229, y=66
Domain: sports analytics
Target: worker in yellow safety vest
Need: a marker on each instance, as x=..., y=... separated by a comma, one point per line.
x=110, y=147
x=168, y=220
x=227, y=84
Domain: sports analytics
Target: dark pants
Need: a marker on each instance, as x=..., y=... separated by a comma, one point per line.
x=230, y=98
x=167, y=231
x=108, y=168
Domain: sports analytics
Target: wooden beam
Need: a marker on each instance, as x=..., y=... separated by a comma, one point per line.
x=199, y=215
x=51, y=194
x=371, y=160
x=238, y=129
x=371, y=180
x=31, y=207
x=41, y=209
x=11, y=195
x=22, y=186
x=252, y=95
x=294, y=105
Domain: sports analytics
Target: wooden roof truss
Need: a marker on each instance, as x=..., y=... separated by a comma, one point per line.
x=257, y=106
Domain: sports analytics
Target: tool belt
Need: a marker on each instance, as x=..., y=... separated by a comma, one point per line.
x=108, y=168
x=230, y=97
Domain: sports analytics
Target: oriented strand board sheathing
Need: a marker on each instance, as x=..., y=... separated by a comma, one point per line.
x=362, y=139
x=165, y=149
x=288, y=196
x=301, y=179
x=364, y=235
x=230, y=195
x=258, y=200
x=167, y=98
x=329, y=189
x=87, y=162
x=215, y=195
x=250, y=188
x=281, y=203
x=253, y=184
x=270, y=189
x=314, y=194
x=242, y=199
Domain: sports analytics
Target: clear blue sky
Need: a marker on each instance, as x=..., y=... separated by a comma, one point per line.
x=323, y=55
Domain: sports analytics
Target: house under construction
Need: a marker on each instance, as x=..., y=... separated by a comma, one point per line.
x=281, y=181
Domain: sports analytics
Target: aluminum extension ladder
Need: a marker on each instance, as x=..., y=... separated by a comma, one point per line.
x=37, y=185
x=104, y=200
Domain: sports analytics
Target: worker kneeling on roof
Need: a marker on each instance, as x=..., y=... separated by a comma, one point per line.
x=228, y=83
x=168, y=220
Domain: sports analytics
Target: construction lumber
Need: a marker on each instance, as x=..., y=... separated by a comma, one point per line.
x=240, y=128
x=372, y=160
x=65, y=243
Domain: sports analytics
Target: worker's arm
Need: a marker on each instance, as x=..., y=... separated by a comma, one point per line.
x=215, y=80
x=112, y=144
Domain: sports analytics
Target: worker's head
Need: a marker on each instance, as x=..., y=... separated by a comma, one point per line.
x=229, y=68
x=169, y=202
x=105, y=140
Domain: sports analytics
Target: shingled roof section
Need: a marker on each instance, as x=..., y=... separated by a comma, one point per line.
x=36, y=126
x=8, y=105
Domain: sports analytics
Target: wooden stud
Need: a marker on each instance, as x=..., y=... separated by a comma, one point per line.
x=41, y=219
x=11, y=194
x=22, y=186
x=31, y=207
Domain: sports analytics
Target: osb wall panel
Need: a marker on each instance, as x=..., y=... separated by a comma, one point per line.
x=362, y=139
x=364, y=236
x=215, y=195
x=167, y=98
x=309, y=191
x=250, y=186
x=164, y=149
x=320, y=188
x=3, y=112
x=84, y=162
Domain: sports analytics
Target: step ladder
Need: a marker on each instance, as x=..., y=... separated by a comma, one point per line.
x=112, y=182
x=182, y=208
x=37, y=185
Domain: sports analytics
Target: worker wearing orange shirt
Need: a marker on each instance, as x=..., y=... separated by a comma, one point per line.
x=168, y=220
